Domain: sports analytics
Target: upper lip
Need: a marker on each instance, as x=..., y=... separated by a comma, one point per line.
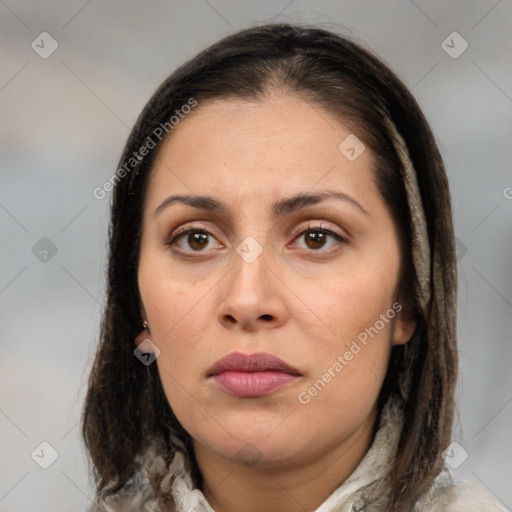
x=259, y=362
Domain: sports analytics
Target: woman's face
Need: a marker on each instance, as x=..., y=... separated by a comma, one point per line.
x=309, y=281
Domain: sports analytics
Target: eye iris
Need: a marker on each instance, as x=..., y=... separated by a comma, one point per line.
x=197, y=238
x=317, y=238
x=314, y=239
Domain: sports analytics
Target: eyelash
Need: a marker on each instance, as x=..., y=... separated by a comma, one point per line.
x=315, y=229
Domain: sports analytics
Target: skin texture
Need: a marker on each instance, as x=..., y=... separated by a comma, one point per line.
x=304, y=299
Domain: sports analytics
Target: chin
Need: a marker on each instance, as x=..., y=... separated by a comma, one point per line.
x=260, y=454
x=255, y=448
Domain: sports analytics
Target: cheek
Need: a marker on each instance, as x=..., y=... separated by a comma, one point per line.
x=354, y=356
x=352, y=303
x=179, y=321
x=178, y=317
x=347, y=371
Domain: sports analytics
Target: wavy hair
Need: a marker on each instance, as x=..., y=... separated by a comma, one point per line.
x=125, y=401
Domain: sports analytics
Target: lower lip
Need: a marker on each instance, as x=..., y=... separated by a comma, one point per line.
x=252, y=384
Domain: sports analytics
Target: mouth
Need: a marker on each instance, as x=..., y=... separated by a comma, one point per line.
x=252, y=375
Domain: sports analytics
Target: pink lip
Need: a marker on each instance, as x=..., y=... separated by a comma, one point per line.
x=252, y=375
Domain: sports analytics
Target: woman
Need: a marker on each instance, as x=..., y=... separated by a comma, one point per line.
x=280, y=325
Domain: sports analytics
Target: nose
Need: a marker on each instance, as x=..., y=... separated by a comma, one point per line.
x=252, y=296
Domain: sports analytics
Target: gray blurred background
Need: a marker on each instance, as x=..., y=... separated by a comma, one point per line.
x=74, y=76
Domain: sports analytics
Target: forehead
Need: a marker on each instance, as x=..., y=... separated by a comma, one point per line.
x=260, y=147
x=289, y=120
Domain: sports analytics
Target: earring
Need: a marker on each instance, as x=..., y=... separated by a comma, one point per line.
x=145, y=324
x=142, y=337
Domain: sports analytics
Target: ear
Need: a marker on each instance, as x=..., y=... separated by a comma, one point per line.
x=403, y=327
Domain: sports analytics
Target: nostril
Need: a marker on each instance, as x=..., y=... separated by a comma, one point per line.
x=266, y=317
x=230, y=319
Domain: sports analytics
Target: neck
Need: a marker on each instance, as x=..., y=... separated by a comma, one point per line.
x=233, y=487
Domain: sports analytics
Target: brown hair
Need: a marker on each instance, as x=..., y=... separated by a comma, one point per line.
x=125, y=401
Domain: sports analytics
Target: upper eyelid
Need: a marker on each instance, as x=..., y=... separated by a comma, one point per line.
x=309, y=211
x=312, y=224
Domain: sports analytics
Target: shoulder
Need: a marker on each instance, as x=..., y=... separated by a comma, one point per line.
x=464, y=496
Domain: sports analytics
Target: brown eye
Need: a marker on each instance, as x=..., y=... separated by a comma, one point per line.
x=191, y=240
x=316, y=238
x=197, y=241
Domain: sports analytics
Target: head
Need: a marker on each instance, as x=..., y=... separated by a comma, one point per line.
x=251, y=131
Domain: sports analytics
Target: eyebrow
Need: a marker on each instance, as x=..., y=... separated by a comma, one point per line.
x=279, y=208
